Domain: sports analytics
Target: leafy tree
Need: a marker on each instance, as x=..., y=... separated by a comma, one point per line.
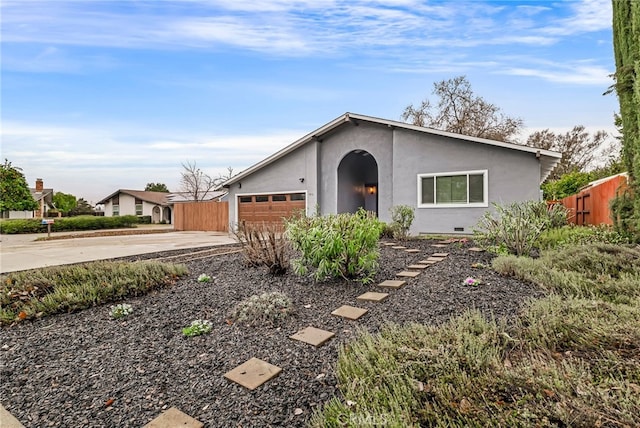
x=579, y=148
x=460, y=111
x=64, y=202
x=82, y=208
x=156, y=187
x=14, y=191
x=626, y=49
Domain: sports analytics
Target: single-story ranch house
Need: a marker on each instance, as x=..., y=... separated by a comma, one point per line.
x=138, y=202
x=361, y=161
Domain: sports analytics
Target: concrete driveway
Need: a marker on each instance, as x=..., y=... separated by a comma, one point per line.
x=21, y=252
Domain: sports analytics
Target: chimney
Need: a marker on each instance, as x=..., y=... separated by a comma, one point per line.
x=39, y=185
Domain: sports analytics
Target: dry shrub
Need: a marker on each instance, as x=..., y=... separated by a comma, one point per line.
x=264, y=245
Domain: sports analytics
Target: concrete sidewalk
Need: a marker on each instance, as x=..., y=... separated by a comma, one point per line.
x=22, y=252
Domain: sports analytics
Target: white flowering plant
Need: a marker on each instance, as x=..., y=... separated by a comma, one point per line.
x=121, y=310
x=204, y=278
x=197, y=328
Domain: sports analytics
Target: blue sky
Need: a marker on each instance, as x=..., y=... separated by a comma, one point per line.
x=100, y=95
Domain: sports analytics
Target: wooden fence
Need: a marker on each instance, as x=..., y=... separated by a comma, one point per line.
x=591, y=205
x=208, y=216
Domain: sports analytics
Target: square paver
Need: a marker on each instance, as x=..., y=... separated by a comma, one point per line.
x=253, y=373
x=439, y=245
x=389, y=244
x=429, y=262
x=349, y=312
x=398, y=247
x=476, y=249
x=439, y=254
x=174, y=418
x=412, y=250
x=408, y=274
x=372, y=296
x=435, y=259
x=313, y=336
x=391, y=283
x=418, y=266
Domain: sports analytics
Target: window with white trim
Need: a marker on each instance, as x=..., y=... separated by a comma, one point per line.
x=453, y=189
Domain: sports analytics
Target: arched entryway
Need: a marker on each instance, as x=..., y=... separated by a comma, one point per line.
x=155, y=214
x=358, y=182
x=166, y=215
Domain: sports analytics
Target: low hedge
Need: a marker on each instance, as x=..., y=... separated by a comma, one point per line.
x=69, y=224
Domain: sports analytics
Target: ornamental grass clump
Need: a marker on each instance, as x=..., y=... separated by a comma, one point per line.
x=266, y=308
x=197, y=328
x=47, y=291
x=336, y=246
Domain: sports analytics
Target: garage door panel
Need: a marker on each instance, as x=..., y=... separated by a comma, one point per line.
x=270, y=208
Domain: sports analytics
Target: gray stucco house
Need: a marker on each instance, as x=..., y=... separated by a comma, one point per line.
x=361, y=161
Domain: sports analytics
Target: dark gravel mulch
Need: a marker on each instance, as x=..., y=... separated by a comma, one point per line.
x=64, y=370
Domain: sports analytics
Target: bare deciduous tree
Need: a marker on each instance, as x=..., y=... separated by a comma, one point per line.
x=578, y=147
x=460, y=111
x=195, y=183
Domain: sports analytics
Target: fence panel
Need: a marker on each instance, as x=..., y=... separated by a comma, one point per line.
x=208, y=216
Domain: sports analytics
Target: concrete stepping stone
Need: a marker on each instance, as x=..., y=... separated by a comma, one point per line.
x=418, y=266
x=476, y=249
x=349, y=312
x=439, y=254
x=7, y=420
x=253, y=373
x=398, y=247
x=412, y=250
x=389, y=244
x=173, y=418
x=439, y=245
x=391, y=283
x=408, y=274
x=313, y=336
x=429, y=262
x=372, y=296
x=435, y=259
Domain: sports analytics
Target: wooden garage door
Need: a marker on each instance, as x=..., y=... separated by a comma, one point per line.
x=269, y=208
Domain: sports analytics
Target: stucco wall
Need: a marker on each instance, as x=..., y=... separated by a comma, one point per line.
x=373, y=138
x=400, y=155
x=512, y=176
x=282, y=176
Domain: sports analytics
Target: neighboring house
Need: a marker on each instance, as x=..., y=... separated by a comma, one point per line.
x=360, y=161
x=590, y=206
x=44, y=198
x=140, y=203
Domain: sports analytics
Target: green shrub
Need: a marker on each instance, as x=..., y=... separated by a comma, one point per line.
x=388, y=231
x=267, y=308
x=580, y=235
x=402, y=217
x=264, y=245
x=337, y=246
x=68, y=224
x=518, y=225
x=46, y=291
x=144, y=219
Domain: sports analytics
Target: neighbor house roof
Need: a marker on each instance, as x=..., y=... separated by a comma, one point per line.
x=548, y=159
x=47, y=194
x=187, y=197
x=160, y=198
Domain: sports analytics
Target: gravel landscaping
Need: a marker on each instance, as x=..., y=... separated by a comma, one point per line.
x=88, y=369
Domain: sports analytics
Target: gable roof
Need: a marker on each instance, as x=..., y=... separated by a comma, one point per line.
x=187, y=197
x=47, y=194
x=548, y=159
x=160, y=198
